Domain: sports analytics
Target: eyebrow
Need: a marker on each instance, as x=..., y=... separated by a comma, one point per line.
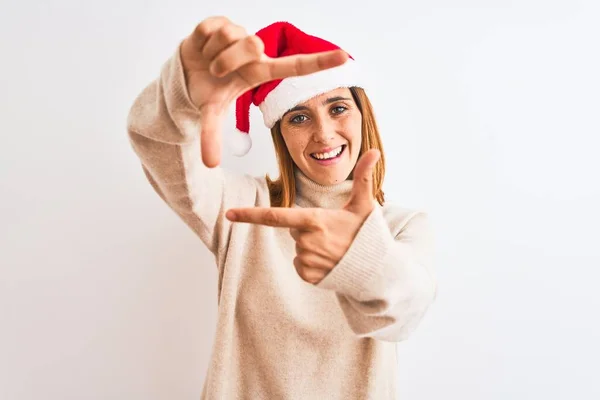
x=327, y=101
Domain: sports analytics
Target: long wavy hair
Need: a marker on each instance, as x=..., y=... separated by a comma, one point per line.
x=283, y=189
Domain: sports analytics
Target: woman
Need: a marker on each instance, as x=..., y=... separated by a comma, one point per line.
x=318, y=276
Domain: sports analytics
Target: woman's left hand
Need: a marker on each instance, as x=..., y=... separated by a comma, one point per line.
x=322, y=235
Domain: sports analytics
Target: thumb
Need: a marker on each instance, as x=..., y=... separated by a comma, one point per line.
x=361, y=198
x=210, y=135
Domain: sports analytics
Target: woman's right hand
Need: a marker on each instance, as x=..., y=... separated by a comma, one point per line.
x=221, y=62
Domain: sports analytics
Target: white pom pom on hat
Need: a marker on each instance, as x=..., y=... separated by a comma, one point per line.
x=240, y=144
x=276, y=97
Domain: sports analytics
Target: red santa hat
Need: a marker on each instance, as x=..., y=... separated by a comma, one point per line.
x=276, y=97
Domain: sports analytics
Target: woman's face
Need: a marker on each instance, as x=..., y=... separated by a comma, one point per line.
x=323, y=136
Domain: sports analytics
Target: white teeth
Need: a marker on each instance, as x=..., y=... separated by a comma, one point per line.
x=326, y=156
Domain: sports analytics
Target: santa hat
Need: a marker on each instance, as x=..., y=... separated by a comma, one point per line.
x=276, y=97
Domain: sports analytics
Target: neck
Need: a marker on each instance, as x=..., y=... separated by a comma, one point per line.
x=312, y=194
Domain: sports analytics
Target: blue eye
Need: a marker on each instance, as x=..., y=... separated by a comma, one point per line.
x=338, y=109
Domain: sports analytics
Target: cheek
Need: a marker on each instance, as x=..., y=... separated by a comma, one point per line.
x=296, y=145
x=353, y=132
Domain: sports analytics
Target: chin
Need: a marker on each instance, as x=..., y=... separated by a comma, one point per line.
x=332, y=178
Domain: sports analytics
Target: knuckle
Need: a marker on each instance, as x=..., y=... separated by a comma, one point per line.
x=302, y=258
x=271, y=217
x=218, y=65
x=302, y=242
x=202, y=29
x=231, y=32
x=297, y=67
x=298, y=264
x=255, y=44
x=222, y=19
x=303, y=272
x=227, y=33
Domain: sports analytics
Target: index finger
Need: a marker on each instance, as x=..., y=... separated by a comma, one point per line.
x=304, y=64
x=275, y=216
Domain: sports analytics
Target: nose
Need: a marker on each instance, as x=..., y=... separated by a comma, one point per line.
x=324, y=131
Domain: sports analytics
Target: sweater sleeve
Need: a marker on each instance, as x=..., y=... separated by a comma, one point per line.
x=385, y=281
x=164, y=131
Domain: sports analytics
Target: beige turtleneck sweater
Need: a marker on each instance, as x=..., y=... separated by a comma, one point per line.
x=277, y=336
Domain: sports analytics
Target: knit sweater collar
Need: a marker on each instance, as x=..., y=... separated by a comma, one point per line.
x=311, y=194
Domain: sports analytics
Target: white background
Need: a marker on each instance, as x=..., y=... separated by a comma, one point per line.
x=489, y=113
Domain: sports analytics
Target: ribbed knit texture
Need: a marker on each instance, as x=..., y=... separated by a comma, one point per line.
x=277, y=336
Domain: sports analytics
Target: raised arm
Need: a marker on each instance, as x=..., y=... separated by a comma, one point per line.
x=175, y=122
x=164, y=130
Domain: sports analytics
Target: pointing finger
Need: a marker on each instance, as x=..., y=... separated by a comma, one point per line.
x=275, y=216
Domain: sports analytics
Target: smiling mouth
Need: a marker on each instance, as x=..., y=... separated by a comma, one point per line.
x=335, y=153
